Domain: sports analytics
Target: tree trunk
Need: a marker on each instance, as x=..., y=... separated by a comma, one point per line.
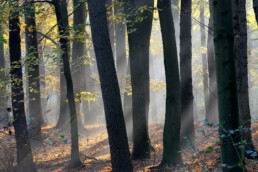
x=240, y=35
x=204, y=60
x=24, y=154
x=3, y=100
x=64, y=118
x=186, y=71
x=171, y=135
x=139, y=42
x=62, y=20
x=231, y=155
x=213, y=99
x=78, y=55
x=33, y=74
x=119, y=149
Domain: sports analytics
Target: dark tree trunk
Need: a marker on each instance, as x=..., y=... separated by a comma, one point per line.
x=64, y=118
x=78, y=55
x=204, y=60
x=33, y=74
x=171, y=136
x=213, y=99
x=231, y=154
x=187, y=118
x=119, y=149
x=62, y=20
x=139, y=41
x=240, y=34
x=24, y=154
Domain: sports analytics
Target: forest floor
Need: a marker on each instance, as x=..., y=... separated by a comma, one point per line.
x=94, y=149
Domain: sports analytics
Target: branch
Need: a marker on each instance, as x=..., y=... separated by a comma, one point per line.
x=47, y=37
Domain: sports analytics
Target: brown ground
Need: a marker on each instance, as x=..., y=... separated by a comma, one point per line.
x=54, y=156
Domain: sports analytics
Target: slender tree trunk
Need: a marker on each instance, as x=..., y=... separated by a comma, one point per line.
x=62, y=20
x=213, y=99
x=119, y=149
x=231, y=155
x=255, y=7
x=33, y=74
x=64, y=118
x=24, y=154
x=3, y=100
x=171, y=135
x=78, y=55
x=139, y=41
x=186, y=70
x=240, y=34
x=204, y=60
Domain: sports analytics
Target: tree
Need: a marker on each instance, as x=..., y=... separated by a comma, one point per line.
x=212, y=116
x=139, y=42
x=187, y=118
x=231, y=155
x=63, y=119
x=78, y=54
x=204, y=60
x=62, y=20
x=35, y=111
x=171, y=134
x=119, y=149
x=240, y=38
x=24, y=154
x=2, y=68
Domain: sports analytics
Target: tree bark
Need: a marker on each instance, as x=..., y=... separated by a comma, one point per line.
x=24, y=154
x=204, y=60
x=78, y=55
x=213, y=97
x=62, y=20
x=231, y=155
x=119, y=149
x=171, y=135
x=35, y=111
x=240, y=38
x=139, y=42
x=187, y=118
x=3, y=100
